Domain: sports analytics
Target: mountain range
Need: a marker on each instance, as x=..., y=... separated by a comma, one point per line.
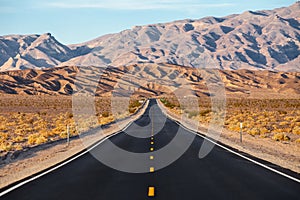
x=267, y=39
x=148, y=80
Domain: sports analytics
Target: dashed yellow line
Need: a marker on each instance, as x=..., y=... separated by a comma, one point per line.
x=151, y=189
x=151, y=192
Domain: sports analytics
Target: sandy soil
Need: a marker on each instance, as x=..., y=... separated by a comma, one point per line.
x=284, y=154
x=19, y=166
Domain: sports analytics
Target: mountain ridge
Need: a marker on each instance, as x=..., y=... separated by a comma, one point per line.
x=162, y=79
x=267, y=39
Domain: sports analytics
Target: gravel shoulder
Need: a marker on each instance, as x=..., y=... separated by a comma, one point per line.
x=284, y=154
x=23, y=164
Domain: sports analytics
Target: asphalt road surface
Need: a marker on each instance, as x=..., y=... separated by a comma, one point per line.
x=220, y=175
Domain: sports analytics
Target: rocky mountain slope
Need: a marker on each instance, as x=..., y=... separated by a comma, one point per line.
x=267, y=39
x=32, y=51
x=148, y=80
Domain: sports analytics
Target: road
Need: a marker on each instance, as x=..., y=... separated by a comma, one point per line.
x=220, y=175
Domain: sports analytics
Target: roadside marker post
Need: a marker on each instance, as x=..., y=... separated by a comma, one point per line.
x=68, y=135
x=241, y=132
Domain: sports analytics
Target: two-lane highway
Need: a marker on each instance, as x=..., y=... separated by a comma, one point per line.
x=220, y=175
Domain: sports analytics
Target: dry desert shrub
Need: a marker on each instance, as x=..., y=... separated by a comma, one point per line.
x=280, y=137
x=296, y=130
x=273, y=118
x=6, y=146
x=36, y=120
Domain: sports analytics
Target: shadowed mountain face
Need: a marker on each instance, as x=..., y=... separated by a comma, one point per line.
x=267, y=39
x=32, y=51
x=148, y=80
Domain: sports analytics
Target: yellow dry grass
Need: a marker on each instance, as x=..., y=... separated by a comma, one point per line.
x=33, y=121
x=278, y=119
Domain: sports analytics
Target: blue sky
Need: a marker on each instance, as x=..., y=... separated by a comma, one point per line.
x=75, y=21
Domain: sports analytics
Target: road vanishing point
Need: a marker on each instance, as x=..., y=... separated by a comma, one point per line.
x=220, y=175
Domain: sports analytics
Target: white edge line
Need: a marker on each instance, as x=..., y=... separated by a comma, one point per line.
x=64, y=163
x=231, y=151
x=102, y=140
x=238, y=154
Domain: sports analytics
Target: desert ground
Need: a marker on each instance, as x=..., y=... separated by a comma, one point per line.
x=37, y=105
x=268, y=132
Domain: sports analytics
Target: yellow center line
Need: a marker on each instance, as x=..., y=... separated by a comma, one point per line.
x=151, y=192
x=151, y=189
x=151, y=169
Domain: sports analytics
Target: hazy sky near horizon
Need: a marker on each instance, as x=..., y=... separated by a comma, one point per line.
x=76, y=21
